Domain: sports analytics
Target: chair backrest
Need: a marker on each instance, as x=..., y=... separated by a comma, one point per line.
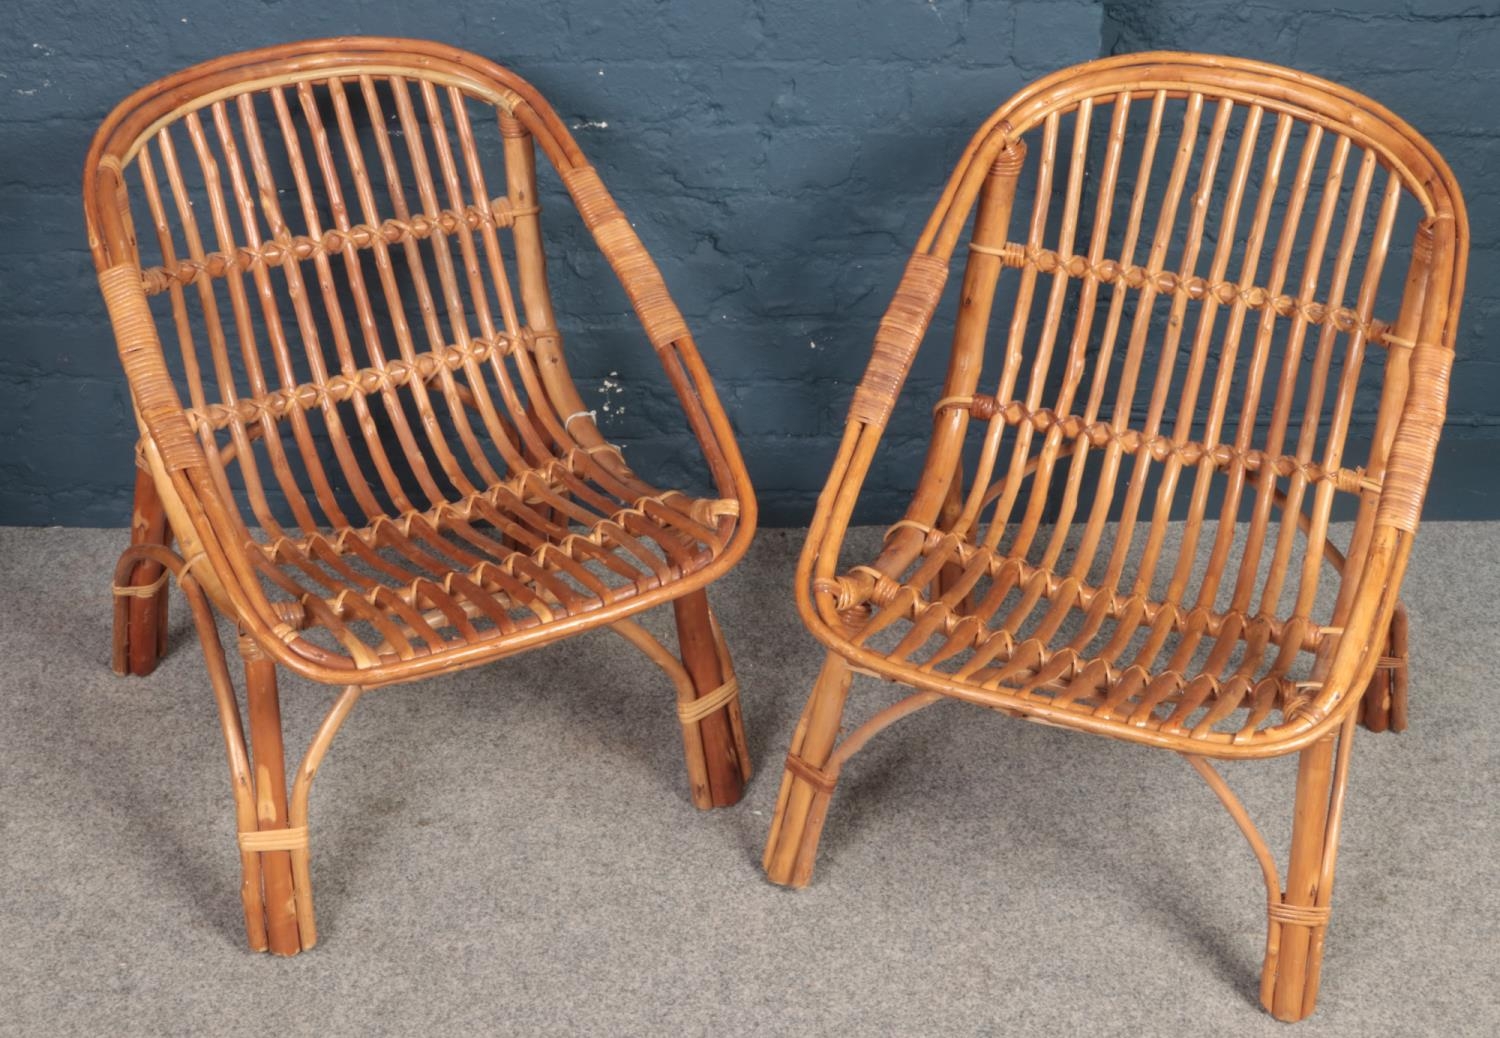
x=343, y=238
x=1229, y=279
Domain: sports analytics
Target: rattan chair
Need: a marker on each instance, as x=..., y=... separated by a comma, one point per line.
x=1230, y=304
x=368, y=448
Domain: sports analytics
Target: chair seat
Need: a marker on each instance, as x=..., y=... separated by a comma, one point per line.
x=1050, y=646
x=576, y=534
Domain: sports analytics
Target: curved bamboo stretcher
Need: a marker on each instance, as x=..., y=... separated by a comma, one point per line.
x=368, y=449
x=1215, y=266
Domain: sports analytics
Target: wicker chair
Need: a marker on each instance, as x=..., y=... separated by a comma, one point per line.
x=368, y=449
x=1230, y=277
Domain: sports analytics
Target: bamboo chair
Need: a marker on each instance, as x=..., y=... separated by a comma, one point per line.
x=1216, y=248
x=368, y=449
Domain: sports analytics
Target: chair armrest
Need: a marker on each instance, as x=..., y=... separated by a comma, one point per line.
x=1408, y=471
x=633, y=265
x=1409, y=467
x=665, y=328
x=151, y=387
x=896, y=340
x=178, y=452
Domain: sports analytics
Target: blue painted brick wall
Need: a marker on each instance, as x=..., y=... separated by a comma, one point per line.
x=777, y=157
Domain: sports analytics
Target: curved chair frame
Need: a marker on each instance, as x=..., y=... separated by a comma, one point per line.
x=1362, y=647
x=560, y=466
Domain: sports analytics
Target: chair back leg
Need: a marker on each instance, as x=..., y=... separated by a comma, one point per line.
x=140, y=592
x=1383, y=707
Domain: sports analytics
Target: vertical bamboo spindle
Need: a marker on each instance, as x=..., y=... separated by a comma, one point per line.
x=976, y=301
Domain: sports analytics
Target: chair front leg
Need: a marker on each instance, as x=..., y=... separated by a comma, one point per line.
x=1298, y=914
x=806, y=789
x=274, y=840
x=140, y=591
x=1298, y=922
x=271, y=837
x=713, y=718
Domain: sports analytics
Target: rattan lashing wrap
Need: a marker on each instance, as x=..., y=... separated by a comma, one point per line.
x=896, y=340
x=290, y=839
x=702, y=707
x=620, y=245
x=140, y=354
x=1409, y=467
x=1168, y=283
x=300, y=247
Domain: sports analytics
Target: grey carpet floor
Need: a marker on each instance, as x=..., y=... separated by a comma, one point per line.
x=511, y=850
